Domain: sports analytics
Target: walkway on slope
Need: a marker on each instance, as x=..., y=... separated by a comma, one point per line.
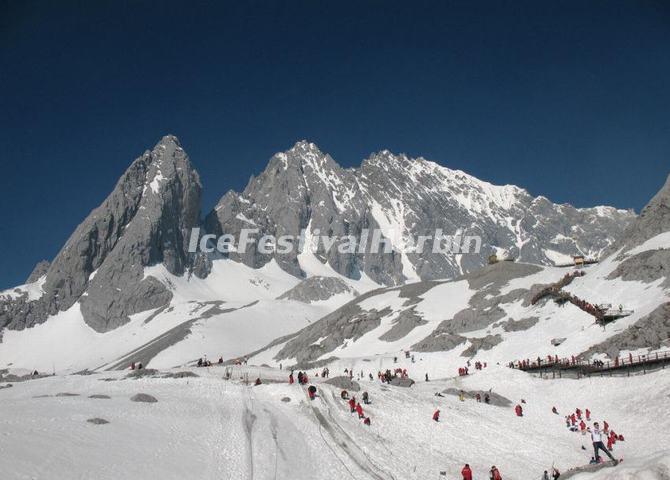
x=581, y=369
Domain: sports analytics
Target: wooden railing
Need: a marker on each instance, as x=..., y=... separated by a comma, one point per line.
x=588, y=367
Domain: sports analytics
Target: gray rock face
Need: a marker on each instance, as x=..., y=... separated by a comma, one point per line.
x=316, y=289
x=350, y=322
x=654, y=219
x=146, y=220
x=485, y=343
x=483, y=309
x=304, y=187
x=649, y=332
x=39, y=271
x=646, y=267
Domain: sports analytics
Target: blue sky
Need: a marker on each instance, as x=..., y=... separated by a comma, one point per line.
x=567, y=99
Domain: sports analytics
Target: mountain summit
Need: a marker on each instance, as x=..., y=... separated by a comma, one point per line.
x=304, y=188
x=147, y=220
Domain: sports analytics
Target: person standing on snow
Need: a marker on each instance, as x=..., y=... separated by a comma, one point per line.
x=597, y=439
x=359, y=410
x=352, y=404
x=555, y=473
x=494, y=474
x=436, y=415
x=519, y=411
x=545, y=475
x=466, y=472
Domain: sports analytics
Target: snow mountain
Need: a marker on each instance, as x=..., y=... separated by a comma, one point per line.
x=507, y=311
x=124, y=285
x=304, y=188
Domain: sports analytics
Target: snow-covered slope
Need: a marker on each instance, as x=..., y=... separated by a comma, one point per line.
x=209, y=428
x=232, y=311
x=488, y=314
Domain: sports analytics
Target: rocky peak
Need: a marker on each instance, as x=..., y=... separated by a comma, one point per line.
x=144, y=221
x=654, y=219
x=39, y=271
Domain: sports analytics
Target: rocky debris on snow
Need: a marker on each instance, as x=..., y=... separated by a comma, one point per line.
x=557, y=341
x=100, y=396
x=143, y=398
x=314, y=365
x=84, y=372
x=512, y=325
x=316, y=289
x=345, y=383
x=350, y=322
x=649, y=332
x=97, y=421
x=483, y=310
x=439, y=341
x=20, y=378
x=402, y=382
x=142, y=372
x=495, y=398
x=108, y=379
x=586, y=469
x=67, y=394
x=484, y=343
x=324, y=336
x=406, y=321
x=184, y=374
x=42, y=396
x=285, y=399
x=9, y=385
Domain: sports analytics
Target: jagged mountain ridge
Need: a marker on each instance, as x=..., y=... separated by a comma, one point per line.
x=147, y=219
x=303, y=188
x=481, y=313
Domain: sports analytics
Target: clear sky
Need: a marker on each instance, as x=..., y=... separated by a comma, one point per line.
x=570, y=100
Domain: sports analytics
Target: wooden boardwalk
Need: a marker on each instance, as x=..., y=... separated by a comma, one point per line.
x=625, y=365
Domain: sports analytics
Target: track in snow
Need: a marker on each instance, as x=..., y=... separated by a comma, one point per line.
x=346, y=444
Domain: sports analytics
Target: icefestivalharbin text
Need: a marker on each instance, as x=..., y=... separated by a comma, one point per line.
x=369, y=241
